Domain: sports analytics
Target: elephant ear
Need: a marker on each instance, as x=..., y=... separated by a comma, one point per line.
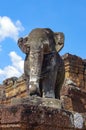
x=59, y=40
x=22, y=43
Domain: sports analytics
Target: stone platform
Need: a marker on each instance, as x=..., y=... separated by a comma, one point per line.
x=35, y=113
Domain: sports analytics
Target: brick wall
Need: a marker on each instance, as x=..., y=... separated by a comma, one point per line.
x=75, y=69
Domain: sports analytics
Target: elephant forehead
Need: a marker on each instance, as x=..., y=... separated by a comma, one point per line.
x=36, y=39
x=37, y=34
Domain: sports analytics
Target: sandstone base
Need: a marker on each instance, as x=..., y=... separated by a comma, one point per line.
x=27, y=116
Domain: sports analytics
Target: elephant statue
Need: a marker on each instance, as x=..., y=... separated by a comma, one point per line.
x=43, y=66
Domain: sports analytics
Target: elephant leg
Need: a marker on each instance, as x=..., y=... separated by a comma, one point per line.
x=60, y=76
x=57, y=91
x=59, y=82
x=50, y=68
x=27, y=72
x=47, y=88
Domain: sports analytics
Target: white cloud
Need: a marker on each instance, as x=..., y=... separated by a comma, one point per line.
x=9, y=29
x=16, y=69
x=17, y=61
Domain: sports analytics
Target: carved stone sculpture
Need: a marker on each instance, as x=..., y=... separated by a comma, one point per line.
x=43, y=66
x=10, y=81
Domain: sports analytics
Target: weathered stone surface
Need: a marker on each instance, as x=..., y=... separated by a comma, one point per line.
x=73, y=98
x=2, y=92
x=38, y=101
x=74, y=88
x=14, y=89
x=31, y=117
x=75, y=70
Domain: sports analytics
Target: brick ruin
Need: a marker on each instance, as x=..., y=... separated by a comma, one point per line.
x=73, y=99
x=74, y=88
x=75, y=68
x=73, y=94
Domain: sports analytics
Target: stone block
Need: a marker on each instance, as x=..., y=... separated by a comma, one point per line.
x=38, y=101
x=74, y=100
x=34, y=117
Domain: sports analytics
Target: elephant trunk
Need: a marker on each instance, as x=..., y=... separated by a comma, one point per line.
x=36, y=59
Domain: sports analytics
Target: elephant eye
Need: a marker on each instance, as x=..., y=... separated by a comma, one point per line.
x=20, y=40
x=25, y=39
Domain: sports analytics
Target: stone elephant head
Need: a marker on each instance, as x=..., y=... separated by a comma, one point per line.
x=40, y=42
x=43, y=37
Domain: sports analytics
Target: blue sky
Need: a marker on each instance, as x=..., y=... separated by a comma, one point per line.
x=19, y=17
